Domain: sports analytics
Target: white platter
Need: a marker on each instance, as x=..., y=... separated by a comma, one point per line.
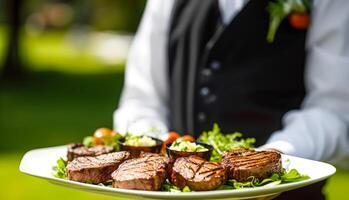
x=39, y=163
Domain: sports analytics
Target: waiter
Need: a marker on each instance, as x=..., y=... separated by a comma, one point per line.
x=196, y=62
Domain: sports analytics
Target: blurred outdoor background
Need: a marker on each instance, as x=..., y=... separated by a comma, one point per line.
x=61, y=68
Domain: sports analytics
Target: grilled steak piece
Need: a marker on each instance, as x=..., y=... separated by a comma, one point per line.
x=197, y=173
x=95, y=169
x=148, y=154
x=145, y=173
x=244, y=163
x=79, y=150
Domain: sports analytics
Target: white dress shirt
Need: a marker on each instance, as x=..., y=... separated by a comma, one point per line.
x=318, y=130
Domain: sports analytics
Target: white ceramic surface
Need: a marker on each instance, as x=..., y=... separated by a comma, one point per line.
x=39, y=163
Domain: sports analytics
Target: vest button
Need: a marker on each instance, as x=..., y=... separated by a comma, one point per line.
x=208, y=96
x=205, y=91
x=201, y=117
x=215, y=65
x=205, y=75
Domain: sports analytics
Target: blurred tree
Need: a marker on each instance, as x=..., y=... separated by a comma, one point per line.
x=116, y=14
x=13, y=68
x=92, y=15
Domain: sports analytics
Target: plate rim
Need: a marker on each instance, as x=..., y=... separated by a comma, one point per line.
x=245, y=192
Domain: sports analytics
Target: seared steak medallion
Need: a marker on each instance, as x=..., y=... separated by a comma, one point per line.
x=148, y=155
x=95, y=169
x=145, y=173
x=242, y=164
x=79, y=150
x=197, y=173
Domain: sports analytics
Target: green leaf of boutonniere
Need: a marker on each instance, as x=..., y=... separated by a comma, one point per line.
x=279, y=10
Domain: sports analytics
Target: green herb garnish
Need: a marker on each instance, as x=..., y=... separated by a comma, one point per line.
x=139, y=141
x=59, y=170
x=186, y=146
x=176, y=143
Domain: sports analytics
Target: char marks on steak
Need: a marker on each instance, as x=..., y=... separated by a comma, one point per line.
x=242, y=164
x=145, y=173
x=95, y=169
x=197, y=173
x=79, y=150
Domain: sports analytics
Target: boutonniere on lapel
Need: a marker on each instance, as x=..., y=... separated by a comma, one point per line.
x=297, y=12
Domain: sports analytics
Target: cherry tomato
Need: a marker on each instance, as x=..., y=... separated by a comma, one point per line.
x=299, y=20
x=188, y=138
x=102, y=134
x=171, y=137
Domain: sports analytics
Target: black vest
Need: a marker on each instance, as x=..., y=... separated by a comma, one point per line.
x=231, y=74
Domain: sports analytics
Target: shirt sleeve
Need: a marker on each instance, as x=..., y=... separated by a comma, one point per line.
x=143, y=105
x=319, y=130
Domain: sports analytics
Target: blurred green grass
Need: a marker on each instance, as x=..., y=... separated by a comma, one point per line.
x=58, y=102
x=47, y=109
x=63, y=51
x=15, y=185
x=50, y=108
x=3, y=38
x=65, y=95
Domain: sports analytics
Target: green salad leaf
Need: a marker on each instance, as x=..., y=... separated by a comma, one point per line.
x=275, y=179
x=168, y=187
x=88, y=141
x=285, y=177
x=113, y=142
x=108, y=184
x=293, y=176
x=59, y=170
x=186, y=189
x=224, y=142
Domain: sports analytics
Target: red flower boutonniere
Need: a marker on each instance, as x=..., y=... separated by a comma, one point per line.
x=297, y=12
